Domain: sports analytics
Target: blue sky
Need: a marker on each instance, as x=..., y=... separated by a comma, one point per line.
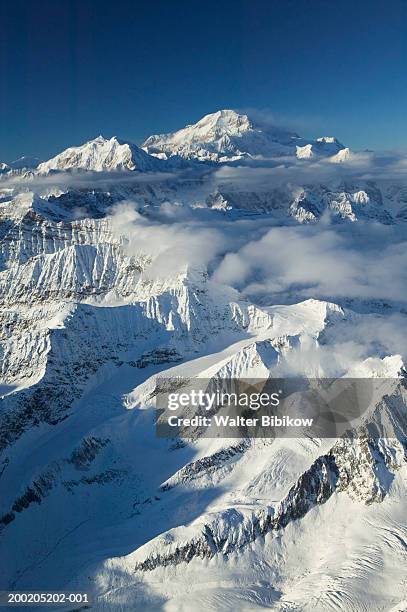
x=72, y=70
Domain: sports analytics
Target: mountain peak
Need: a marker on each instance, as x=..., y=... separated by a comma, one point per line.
x=328, y=140
x=102, y=154
x=224, y=135
x=4, y=168
x=224, y=121
x=228, y=136
x=100, y=139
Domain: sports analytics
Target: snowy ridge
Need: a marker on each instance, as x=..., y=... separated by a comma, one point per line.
x=234, y=529
x=102, y=154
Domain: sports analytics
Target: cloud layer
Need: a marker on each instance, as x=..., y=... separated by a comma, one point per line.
x=366, y=261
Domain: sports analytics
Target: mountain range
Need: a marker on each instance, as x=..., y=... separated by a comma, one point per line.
x=222, y=137
x=227, y=249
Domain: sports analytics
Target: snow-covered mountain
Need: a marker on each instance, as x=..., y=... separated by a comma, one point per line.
x=227, y=136
x=102, y=154
x=108, y=286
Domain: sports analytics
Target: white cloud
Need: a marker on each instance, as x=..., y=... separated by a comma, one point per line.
x=367, y=262
x=173, y=246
